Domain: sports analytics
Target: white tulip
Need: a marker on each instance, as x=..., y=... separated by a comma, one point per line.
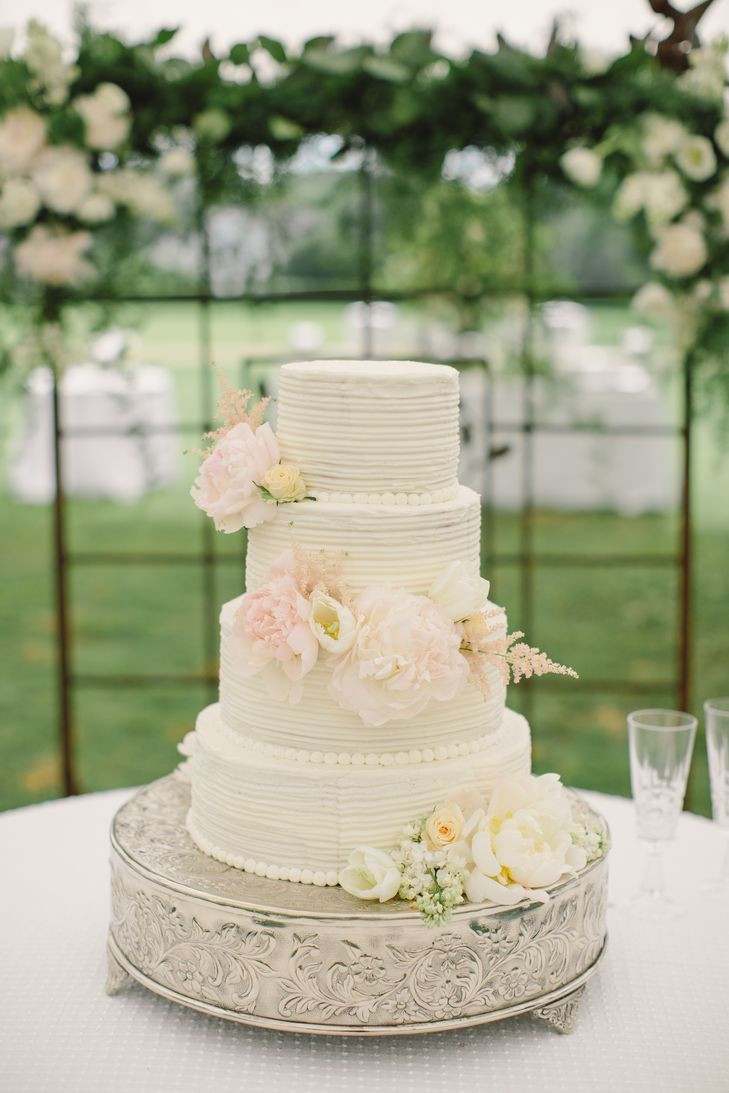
x=680, y=252
x=458, y=593
x=370, y=874
x=63, y=178
x=582, y=166
x=22, y=135
x=19, y=202
x=333, y=624
x=696, y=158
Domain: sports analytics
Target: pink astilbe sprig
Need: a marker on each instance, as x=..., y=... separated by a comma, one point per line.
x=485, y=643
x=314, y=569
x=233, y=408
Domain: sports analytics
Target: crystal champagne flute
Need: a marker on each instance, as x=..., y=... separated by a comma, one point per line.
x=716, y=711
x=661, y=744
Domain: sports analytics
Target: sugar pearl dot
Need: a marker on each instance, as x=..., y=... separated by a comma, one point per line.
x=344, y=758
x=453, y=751
x=428, y=755
x=260, y=869
x=332, y=878
x=330, y=758
x=250, y=865
x=401, y=758
x=284, y=873
x=401, y=499
x=273, y=872
x=387, y=759
x=440, y=752
x=474, y=746
x=317, y=756
x=415, y=755
x=388, y=499
x=302, y=756
x=345, y=498
x=307, y=877
x=427, y=499
x=371, y=759
x=375, y=498
x=320, y=879
x=289, y=753
x=414, y=499
x=358, y=759
x=360, y=498
x=294, y=875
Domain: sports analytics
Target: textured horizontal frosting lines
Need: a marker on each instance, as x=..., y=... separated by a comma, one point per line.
x=250, y=806
x=370, y=427
x=399, y=545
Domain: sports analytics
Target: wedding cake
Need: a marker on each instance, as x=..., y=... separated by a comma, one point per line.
x=362, y=735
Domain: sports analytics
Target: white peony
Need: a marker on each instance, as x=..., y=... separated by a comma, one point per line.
x=696, y=158
x=95, y=209
x=105, y=115
x=521, y=844
x=22, y=135
x=226, y=487
x=333, y=624
x=370, y=874
x=405, y=654
x=53, y=257
x=662, y=137
x=721, y=136
x=458, y=593
x=664, y=196
x=582, y=166
x=63, y=178
x=654, y=300
x=177, y=163
x=680, y=251
x=19, y=202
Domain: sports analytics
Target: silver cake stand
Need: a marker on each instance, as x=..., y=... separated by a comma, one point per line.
x=307, y=959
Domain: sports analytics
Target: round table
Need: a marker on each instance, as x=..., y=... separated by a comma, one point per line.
x=653, y=1017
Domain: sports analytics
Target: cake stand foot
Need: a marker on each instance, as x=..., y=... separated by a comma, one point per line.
x=116, y=976
x=561, y=1015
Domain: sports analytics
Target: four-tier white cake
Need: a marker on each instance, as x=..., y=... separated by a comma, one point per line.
x=287, y=788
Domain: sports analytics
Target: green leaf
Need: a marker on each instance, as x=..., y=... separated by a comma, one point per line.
x=413, y=47
x=240, y=53
x=340, y=63
x=321, y=41
x=283, y=128
x=384, y=68
x=163, y=36
x=274, y=47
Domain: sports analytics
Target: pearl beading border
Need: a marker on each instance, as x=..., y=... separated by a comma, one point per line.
x=365, y=759
x=320, y=877
x=434, y=498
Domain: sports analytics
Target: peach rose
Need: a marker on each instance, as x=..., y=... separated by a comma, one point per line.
x=227, y=487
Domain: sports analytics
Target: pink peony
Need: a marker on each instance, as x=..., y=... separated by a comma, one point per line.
x=272, y=635
x=406, y=652
x=227, y=486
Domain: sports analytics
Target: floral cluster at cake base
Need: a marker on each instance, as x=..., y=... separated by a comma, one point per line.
x=504, y=849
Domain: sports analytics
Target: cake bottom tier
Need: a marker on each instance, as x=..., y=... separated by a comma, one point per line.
x=299, y=821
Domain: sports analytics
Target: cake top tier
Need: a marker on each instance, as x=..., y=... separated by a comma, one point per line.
x=370, y=427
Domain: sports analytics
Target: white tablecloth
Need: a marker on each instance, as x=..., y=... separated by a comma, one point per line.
x=653, y=1018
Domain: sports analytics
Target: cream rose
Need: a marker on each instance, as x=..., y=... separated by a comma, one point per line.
x=458, y=593
x=226, y=487
x=284, y=482
x=696, y=158
x=22, y=135
x=19, y=202
x=444, y=826
x=53, y=256
x=370, y=874
x=63, y=178
x=333, y=624
x=582, y=166
x=681, y=250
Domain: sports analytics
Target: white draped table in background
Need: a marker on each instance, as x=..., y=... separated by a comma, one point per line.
x=653, y=1018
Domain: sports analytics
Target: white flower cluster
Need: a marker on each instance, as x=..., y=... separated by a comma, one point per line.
x=430, y=881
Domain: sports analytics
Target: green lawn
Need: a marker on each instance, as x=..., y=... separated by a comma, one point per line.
x=612, y=622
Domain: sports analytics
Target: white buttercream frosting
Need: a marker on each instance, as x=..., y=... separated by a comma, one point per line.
x=370, y=427
x=249, y=807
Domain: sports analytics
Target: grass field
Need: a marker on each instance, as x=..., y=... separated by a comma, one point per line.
x=612, y=622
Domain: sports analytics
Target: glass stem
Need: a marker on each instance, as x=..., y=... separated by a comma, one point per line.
x=654, y=881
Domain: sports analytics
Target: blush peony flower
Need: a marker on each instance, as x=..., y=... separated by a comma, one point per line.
x=22, y=135
x=272, y=635
x=370, y=874
x=227, y=486
x=521, y=843
x=405, y=654
x=53, y=257
x=458, y=593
